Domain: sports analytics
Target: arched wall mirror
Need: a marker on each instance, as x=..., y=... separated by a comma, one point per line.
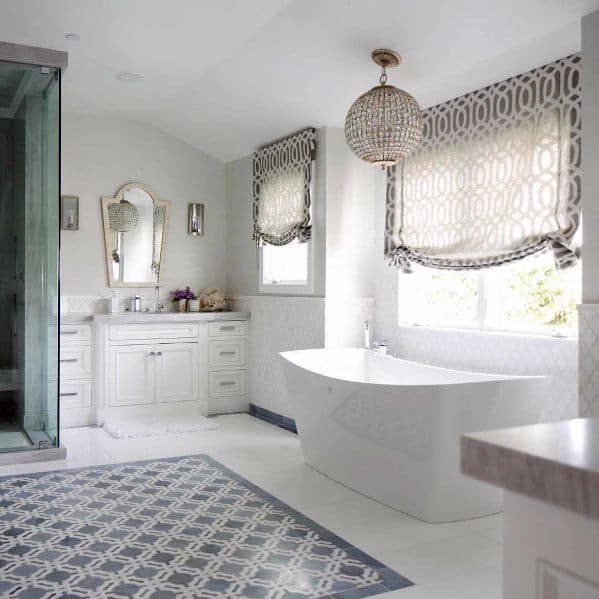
x=135, y=227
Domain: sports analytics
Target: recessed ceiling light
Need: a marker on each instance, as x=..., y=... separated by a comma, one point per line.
x=72, y=37
x=129, y=77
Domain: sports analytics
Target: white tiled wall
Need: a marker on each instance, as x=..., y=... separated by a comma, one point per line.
x=498, y=353
x=589, y=359
x=344, y=320
x=278, y=324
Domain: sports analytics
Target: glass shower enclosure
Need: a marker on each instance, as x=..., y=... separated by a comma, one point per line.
x=29, y=247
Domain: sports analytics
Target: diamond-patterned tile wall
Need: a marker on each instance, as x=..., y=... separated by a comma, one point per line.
x=588, y=323
x=178, y=527
x=501, y=354
x=278, y=324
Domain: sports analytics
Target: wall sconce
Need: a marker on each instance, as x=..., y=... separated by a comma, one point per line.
x=69, y=213
x=195, y=219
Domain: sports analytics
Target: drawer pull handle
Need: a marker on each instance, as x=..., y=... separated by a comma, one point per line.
x=226, y=383
x=69, y=360
x=151, y=353
x=158, y=353
x=227, y=353
x=228, y=328
x=68, y=394
x=68, y=332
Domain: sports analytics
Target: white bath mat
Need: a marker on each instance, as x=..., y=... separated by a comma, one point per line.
x=170, y=425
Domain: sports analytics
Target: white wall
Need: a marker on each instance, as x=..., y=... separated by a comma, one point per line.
x=349, y=193
x=98, y=157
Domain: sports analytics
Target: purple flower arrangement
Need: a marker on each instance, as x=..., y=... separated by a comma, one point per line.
x=183, y=294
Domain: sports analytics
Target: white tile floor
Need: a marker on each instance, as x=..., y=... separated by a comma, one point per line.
x=446, y=561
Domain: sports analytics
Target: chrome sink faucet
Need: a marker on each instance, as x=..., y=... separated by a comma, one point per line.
x=158, y=305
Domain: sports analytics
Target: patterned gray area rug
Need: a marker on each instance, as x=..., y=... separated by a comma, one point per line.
x=169, y=528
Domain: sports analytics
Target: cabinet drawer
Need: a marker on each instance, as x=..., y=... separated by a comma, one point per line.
x=75, y=394
x=227, y=328
x=230, y=352
x=70, y=333
x=171, y=330
x=75, y=362
x=227, y=383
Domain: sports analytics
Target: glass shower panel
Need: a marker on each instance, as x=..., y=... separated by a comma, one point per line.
x=29, y=201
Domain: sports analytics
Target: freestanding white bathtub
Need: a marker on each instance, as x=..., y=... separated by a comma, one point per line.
x=390, y=429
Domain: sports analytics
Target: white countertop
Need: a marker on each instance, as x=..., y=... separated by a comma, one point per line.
x=138, y=317
x=555, y=462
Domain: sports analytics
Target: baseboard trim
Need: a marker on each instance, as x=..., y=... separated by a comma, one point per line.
x=29, y=456
x=273, y=418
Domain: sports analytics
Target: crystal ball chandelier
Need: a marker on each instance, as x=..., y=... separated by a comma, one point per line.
x=384, y=125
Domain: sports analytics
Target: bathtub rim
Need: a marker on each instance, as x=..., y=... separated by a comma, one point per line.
x=485, y=377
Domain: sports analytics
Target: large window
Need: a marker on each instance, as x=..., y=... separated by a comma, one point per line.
x=528, y=296
x=286, y=269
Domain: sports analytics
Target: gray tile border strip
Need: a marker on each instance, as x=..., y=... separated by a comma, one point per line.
x=284, y=422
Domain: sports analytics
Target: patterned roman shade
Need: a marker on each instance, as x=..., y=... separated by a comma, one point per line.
x=282, y=175
x=496, y=177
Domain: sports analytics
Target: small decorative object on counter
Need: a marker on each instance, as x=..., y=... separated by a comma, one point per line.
x=193, y=305
x=114, y=302
x=182, y=296
x=136, y=304
x=212, y=300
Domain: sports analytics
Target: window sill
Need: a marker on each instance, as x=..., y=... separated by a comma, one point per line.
x=490, y=332
x=289, y=290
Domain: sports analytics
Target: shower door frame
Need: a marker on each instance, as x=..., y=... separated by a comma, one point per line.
x=42, y=57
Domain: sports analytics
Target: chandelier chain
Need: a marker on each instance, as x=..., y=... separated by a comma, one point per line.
x=383, y=77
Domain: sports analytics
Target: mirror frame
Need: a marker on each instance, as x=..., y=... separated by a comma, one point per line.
x=105, y=202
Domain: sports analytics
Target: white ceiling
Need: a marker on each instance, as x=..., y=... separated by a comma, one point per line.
x=229, y=76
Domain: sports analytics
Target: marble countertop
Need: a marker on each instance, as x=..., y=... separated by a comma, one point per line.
x=556, y=462
x=130, y=317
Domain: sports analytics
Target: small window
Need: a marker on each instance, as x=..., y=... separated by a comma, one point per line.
x=286, y=269
x=526, y=296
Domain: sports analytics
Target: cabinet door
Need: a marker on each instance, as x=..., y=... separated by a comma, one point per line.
x=177, y=372
x=131, y=375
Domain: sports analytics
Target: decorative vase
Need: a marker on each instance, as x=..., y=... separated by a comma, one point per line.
x=193, y=305
x=182, y=305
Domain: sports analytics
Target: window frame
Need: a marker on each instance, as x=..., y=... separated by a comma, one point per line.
x=481, y=325
x=306, y=288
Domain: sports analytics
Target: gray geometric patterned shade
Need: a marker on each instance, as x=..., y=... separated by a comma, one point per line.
x=496, y=177
x=281, y=180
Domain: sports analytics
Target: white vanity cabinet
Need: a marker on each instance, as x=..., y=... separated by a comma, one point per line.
x=227, y=365
x=76, y=372
x=152, y=374
x=150, y=364
x=130, y=375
